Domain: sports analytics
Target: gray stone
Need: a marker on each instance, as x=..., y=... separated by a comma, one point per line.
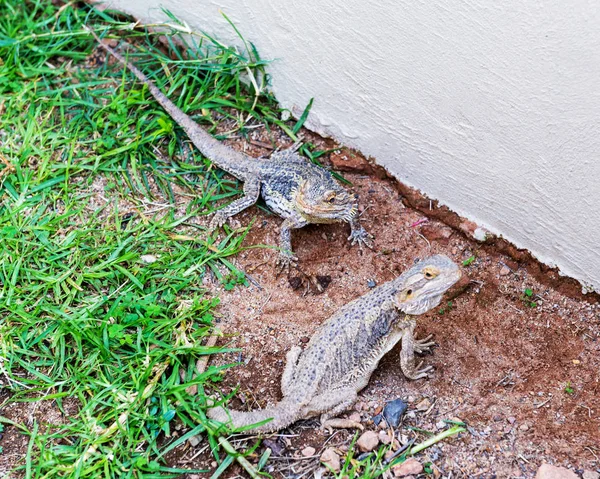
x=393, y=411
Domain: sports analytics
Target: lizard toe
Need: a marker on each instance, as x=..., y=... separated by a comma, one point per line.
x=217, y=221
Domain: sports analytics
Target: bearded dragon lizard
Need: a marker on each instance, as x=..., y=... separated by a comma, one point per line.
x=297, y=190
x=338, y=361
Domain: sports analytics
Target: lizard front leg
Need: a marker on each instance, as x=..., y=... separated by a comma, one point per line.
x=251, y=192
x=286, y=256
x=407, y=354
x=359, y=235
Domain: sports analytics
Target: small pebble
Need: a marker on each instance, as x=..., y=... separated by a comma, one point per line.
x=523, y=427
x=408, y=468
x=384, y=437
x=547, y=471
x=424, y=405
x=148, y=258
x=331, y=459
x=504, y=271
x=308, y=451
x=388, y=455
x=368, y=441
x=590, y=475
x=194, y=441
x=393, y=411
x=440, y=425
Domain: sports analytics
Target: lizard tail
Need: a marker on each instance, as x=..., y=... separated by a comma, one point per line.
x=282, y=415
x=212, y=149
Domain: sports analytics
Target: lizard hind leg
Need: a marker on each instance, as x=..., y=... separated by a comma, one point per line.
x=290, y=368
x=251, y=193
x=333, y=403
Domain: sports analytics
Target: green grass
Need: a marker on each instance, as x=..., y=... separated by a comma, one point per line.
x=102, y=308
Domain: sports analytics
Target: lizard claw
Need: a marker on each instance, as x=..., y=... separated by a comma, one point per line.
x=286, y=261
x=218, y=220
x=419, y=373
x=360, y=236
x=423, y=345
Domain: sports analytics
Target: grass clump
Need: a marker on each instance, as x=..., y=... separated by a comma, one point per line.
x=102, y=312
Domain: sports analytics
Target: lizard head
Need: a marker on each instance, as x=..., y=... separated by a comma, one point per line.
x=320, y=199
x=422, y=286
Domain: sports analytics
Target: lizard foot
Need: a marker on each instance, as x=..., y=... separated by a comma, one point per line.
x=361, y=237
x=286, y=261
x=218, y=220
x=423, y=345
x=418, y=373
x=339, y=423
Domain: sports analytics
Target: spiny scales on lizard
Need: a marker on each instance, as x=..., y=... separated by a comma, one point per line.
x=297, y=190
x=338, y=361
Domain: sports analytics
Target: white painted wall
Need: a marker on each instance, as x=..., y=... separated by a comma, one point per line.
x=491, y=107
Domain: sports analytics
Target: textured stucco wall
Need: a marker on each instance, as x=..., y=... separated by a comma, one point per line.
x=491, y=107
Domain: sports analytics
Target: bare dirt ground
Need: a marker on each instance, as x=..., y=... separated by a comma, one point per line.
x=526, y=379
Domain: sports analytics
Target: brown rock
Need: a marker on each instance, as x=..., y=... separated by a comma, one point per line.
x=504, y=271
x=384, y=437
x=331, y=459
x=547, y=471
x=346, y=160
x=424, y=405
x=408, y=468
x=368, y=441
x=308, y=451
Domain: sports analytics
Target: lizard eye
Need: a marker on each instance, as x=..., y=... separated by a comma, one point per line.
x=409, y=293
x=430, y=273
x=330, y=197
